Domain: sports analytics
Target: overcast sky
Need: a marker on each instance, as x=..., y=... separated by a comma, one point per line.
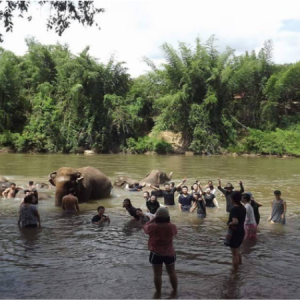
x=133, y=29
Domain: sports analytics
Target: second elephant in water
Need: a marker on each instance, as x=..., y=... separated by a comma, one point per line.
x=154, y=177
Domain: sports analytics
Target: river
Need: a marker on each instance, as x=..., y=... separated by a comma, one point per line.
x=70, y=258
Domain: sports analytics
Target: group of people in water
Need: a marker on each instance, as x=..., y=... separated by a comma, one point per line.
x=242, y=223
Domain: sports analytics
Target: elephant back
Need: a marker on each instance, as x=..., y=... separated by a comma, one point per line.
x=96, y=182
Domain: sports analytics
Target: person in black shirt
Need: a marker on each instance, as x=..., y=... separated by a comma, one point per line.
x=100, y=218
x=152, y=205
x=210, y=199
x=236, y=223
x=131, y=209
x=185, y=200
x=168, y=192
x=227, y=191
x=199, y=203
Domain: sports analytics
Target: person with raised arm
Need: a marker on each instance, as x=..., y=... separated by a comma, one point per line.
x=227, y=191
x=209, y=197
x=168, y=192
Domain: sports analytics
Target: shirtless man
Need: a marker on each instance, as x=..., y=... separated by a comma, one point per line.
x=70, y=202
x=11, y=191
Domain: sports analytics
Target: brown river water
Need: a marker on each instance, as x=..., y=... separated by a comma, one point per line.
x=70, y=258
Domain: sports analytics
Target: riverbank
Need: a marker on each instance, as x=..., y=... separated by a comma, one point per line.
x=147, y=153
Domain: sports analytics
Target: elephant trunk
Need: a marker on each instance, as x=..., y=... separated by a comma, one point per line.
x=58, y=198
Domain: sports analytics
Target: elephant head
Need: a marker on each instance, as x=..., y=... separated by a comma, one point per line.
x=63, y=180
x=157, y=177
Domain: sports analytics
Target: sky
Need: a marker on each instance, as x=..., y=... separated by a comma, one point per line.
x=131, y=30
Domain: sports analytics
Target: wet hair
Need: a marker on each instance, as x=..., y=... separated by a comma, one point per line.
x=277, y=192
x=209, y=181
x=28, y=199
x=12, y=183
x=247, y=197
x=236, y=198
x=147, y=193
x=162, y=219
x=72, y=191
x=100, y=207
x=129, y=205
x=184, y=187
x=30, y=183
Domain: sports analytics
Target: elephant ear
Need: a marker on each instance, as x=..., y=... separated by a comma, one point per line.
x=52, y=178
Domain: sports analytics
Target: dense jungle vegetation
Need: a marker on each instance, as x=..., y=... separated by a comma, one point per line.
x=54, y=101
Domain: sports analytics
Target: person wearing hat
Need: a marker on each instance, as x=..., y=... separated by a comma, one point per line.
x=278, y=209
x=227, y=191
x=161, y=233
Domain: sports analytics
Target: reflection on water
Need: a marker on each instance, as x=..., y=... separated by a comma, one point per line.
x=71, y=258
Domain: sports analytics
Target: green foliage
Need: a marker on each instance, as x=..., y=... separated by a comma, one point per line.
x=54, y=101
x=282, y=142
x=144, y=144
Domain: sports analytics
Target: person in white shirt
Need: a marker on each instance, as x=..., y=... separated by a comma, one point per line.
x=250, y=223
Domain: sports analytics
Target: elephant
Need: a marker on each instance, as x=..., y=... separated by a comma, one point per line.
x=88, y=182
x=154, y=177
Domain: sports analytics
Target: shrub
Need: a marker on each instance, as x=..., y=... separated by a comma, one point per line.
x=143, y=144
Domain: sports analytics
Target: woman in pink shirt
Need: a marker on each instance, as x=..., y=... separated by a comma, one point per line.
x=161, y=232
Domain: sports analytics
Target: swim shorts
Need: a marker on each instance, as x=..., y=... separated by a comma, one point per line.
x=157, y=259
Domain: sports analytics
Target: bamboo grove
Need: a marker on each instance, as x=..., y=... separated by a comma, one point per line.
x=54, y=101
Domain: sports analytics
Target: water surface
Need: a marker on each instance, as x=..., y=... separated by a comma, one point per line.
x=69, y=258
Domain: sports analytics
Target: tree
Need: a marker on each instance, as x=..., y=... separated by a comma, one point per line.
x=62, y=13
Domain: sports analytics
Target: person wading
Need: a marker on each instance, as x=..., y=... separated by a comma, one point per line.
x=161, y=232
x=70, y=202
x=227, y=191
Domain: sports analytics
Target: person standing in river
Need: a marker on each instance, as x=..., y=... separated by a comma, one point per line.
x=250, y=222
x=278, y=209
x=209, y=197
x=152, y=205
x=29, y=216
x=70, y=202
x=256, y=205
x=185, y=200
x=235, y=224
x=200, y=204
x=161, y=233
x=169, y=192
x=227, y=191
